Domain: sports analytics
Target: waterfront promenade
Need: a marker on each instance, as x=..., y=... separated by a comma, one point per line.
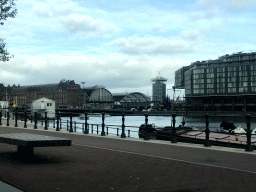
x=107, y=163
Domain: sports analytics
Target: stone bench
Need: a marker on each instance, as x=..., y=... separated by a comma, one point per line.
x=26, y=142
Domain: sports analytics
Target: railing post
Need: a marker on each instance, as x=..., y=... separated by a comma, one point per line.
x=8, y=117
x=75, y=126
x=67, y=125
x=25, y=120
x=35, y=126
x=174, y=138
x=97, y=129
x=0, y=117
x=107, y=130
x=45, y=121
x=103, y=125
x=60, y=123
x=117, y=132
x=58, y=117
x=207, y=142
x=92, y=128
x=16, y=118
x=86, y=131
x=146, y=136
x=248, y=134
x=53, y=124
x=5, y=114
x=128, y=133
x=71, y=129
x=123, y=127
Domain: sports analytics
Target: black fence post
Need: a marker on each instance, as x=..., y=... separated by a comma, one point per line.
x=58, y=117
x=146, y=136
x=25, y=119
x=86, y=131
x=75, y=126
x=97, y=129
x=0, y=117
x=16, y=118
x=60, y=122
x=103, y=125
x=174, y=138
x=207, y=142
x=123, y=127
x=91, y=128
x=128, y=133
x=35, y=126
x=45, y=121
x=248, y=134
x=117, y=132
x=71, y=129
x=8, y=117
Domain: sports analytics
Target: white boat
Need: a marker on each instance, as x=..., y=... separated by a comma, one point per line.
x=82, y=116
x=97, y=115
x=239, y=130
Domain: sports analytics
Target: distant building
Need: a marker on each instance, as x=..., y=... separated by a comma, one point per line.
x=227, y=83
x=158, y=90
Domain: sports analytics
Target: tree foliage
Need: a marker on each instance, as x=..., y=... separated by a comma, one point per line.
x=7, y=9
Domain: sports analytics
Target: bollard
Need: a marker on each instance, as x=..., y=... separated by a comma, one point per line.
x=92, y=129
x=25, y=120
x=123, y=127
x=248, y=134
x=71, y=129
x=75, y=126
x=0, y=117
x=97, y=129
x=207, y=132
x=35, y=126
x=58, y=117
x=146, y=136
x=8, y=117
x=16, y=118
x=60, y=123
x=103, y=125
x=128, y=133
x=174, y=138
x=67, y=125
x=53, y=124
x=117, y=132
x=86, y=131
x=45, y=121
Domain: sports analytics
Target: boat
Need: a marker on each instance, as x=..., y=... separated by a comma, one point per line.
x=227, y=126
x=97, y=115
x=161, y=133
x=82, y=116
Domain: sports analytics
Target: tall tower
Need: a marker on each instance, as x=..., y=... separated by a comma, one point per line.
x=159, y=89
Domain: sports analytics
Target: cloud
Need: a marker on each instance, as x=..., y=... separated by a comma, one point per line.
x=152, y=46
x=85, y=23
x=232, y=5
x=115, y=71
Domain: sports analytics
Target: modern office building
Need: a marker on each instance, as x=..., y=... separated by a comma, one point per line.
x=158, y=90
x=227, y=83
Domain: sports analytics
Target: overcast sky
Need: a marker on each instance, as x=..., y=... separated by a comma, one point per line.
x=121, y=44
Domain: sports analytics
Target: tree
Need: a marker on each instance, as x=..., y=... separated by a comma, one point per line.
x=7, y=9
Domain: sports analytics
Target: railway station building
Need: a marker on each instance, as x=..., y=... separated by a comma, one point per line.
x=225, y=84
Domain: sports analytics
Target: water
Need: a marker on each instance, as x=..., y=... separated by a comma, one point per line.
x=132, y=123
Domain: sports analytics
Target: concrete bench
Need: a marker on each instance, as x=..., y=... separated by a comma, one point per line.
x=26, y=142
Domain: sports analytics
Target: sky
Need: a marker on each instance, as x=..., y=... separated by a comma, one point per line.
x=121, y=44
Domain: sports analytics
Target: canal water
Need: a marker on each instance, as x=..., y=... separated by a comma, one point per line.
x=132, y=123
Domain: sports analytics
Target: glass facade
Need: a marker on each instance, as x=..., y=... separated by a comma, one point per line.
x=198, y=81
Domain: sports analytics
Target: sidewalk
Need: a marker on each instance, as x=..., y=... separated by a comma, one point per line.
x=108, y=163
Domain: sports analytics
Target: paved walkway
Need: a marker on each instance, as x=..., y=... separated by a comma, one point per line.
x=108, y=163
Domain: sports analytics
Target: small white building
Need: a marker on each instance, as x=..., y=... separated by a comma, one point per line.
x=4, y=104
x=43, y=105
